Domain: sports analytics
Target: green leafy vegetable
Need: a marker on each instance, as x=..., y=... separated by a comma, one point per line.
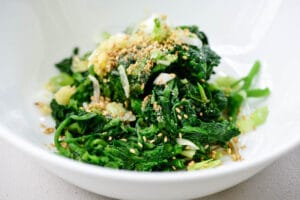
x=145, y=102
x=58, y=81
x=257, y=118
x=66, y=64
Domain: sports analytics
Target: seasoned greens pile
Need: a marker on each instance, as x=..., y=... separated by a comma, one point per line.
x=142, y=101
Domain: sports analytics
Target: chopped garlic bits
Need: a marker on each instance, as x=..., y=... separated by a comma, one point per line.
x=152, y=35
x=105, y=56
x=163, y=78
x=79, y=65
x=63, y=95
x=110, y=109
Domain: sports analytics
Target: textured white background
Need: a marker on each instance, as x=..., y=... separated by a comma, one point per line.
x=22, y=178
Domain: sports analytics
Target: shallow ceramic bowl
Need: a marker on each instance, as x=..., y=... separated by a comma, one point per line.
x=36, y=34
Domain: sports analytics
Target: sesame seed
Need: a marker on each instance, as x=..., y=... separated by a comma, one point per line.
x=180, y=135
x=64, y=144
x=233, y=157
x=213, y=156
x=159, y=135
x=229, y=151
x=151, y=141
x=185, y=47
x=177, y=110
x=144, y=138
x=174, y=168
x=49, y=130
x=185, y=116
x=122, y=114
x=191, y=163
x=235, y=139
x=109, y=138
x=132, y=150
x=201, y=114
x=165, y=139
x=179, y=117
x=140, y=144
x=206, y=146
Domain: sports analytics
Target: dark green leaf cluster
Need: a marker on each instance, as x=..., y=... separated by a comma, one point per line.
x=185, y=107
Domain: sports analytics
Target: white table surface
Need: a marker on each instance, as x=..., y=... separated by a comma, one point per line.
x=22, y=178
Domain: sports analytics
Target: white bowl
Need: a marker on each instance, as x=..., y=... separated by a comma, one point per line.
x=36, y=34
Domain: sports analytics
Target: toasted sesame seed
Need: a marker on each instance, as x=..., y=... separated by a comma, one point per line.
x=233, y=157
x=174, y=168
x=191, y=163
x=140, y=144
x=64, y=144
x=229, y=151
x=185, y=47
x=132, y=150
x=109, y=138
x=123, y=139
x=144, y=138
x=201, y=114
x=206, y=146
x=185, y=116
x=165, y=139
x=235, y=139
x=180, y=135
x=151, y=141
x=179, y=117
x=239, y=157
x=49, y=130
x=177, y=110
x=122, y=114
x=173, y=157
x=159, y=134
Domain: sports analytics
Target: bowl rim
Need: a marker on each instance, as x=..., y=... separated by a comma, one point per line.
x=99, y=171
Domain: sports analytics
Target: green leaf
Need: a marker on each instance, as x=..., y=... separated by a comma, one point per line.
x=204, y=165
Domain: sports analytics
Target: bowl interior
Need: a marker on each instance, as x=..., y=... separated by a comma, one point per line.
x=39, y=34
